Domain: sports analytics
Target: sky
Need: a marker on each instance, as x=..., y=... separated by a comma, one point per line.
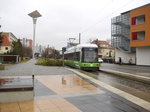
x=63, y=19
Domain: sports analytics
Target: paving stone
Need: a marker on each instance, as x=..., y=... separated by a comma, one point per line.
x=104, y=103
x=42, y=90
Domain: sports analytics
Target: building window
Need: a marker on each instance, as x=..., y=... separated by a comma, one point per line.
x=6, y=48
x=138, y=20
x=140, y=35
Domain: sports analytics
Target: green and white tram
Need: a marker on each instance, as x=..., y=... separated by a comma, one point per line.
x=82, y=56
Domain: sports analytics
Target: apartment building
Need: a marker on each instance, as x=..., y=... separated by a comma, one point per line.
x=140, y=34
x=131, y=36
x=26, y=42
x=6, y=45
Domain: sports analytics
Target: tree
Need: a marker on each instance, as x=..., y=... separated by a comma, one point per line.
x=108, y=40
x=45, y=53
x=1, y=39
x=50, y=52
x=17, y=48
x=27, y=51
x=96, y=41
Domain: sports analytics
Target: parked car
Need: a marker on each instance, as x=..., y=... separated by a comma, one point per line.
x=100, y=60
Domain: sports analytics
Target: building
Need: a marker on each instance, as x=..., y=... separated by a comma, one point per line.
x=131, y=36
x=26, y=42
x=6, y=45
x=105, y=50
x=140, y=34
x=39, y=49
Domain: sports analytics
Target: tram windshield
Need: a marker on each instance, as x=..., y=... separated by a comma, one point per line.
x=89, y=54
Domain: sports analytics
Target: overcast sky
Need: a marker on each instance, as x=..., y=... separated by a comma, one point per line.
x=63, y=19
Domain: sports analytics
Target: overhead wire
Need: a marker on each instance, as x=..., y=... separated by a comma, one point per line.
x=109, y=15
x=97, y=36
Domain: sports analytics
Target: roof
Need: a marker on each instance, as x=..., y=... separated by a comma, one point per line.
x=87, y=45
x=5, y=41
x=136, y=8
x=79, y=47
x=105, y=43
x=102, y=42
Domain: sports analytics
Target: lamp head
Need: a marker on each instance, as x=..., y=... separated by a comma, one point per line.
x=35, y=14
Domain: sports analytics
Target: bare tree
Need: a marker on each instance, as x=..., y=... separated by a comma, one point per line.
x=50, y=52
x=108, y=40
x=96, y=41
x=27, y=51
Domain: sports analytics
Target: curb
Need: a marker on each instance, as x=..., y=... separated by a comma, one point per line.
x=127, y=96
x=128, y=75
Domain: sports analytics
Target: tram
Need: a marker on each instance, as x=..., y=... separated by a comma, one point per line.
x=82, y=56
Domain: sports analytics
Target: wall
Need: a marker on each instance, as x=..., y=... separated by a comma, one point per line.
x=125, y=57
x=3, y=50
x=140, y=27
x=104, y=52
x=16, y=96
x=143, y=55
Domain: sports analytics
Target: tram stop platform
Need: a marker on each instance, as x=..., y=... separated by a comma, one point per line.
x=70, y=92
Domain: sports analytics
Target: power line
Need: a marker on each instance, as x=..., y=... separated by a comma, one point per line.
x=102, y=20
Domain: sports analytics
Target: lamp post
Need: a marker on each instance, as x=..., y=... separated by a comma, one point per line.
x=35, y=14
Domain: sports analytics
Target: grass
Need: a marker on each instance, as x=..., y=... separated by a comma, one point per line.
x=49, y=62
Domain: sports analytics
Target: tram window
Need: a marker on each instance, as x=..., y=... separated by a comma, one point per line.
x=77, y=56
x=69, y=56
x=89, y=54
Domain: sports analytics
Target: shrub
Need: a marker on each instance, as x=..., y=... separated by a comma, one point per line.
x=49, y=62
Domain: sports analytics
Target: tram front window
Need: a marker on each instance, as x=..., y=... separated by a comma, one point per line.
x=89, y=55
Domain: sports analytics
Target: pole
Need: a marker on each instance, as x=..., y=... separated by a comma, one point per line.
x=79, y=38
x=33, y=45
x=63, y=57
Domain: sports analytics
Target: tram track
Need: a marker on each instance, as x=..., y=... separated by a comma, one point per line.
x=134, y=87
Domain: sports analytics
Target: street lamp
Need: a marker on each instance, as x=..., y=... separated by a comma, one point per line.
x=35, y=14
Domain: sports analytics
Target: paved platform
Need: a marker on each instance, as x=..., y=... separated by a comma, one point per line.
x=72, y=93
x=75, y=92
